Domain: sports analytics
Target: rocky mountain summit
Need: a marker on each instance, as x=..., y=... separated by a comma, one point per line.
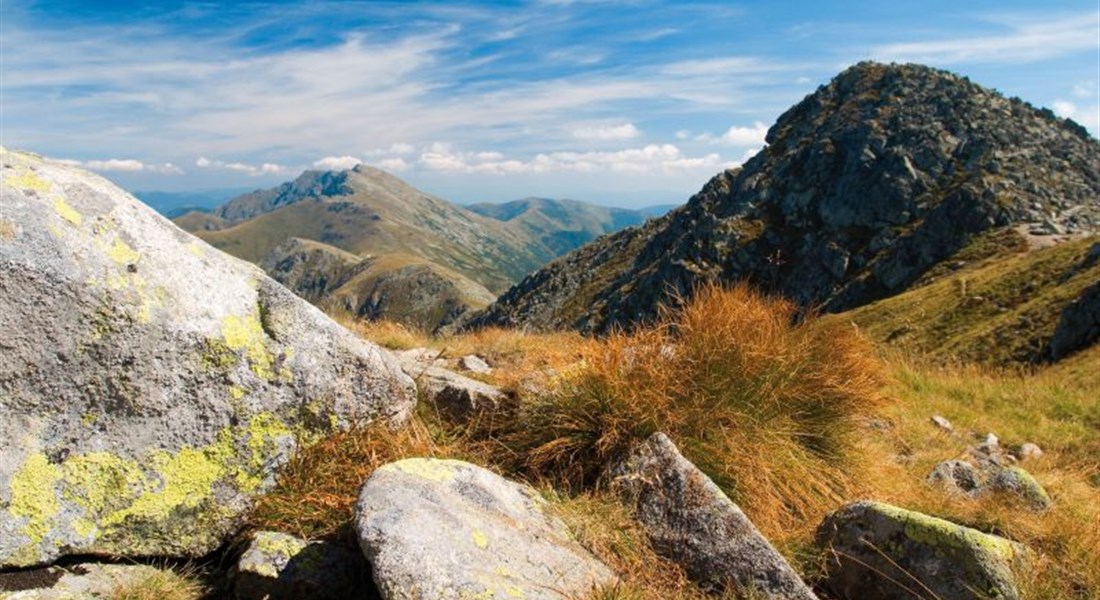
x=865, y=185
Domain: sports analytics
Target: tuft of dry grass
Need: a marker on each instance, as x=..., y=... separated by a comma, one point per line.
x=770, y=409
x=164, y=584
x=315, y=493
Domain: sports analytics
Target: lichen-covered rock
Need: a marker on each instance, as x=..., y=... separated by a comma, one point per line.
x=150, y=385
x=1014, y=480
x=277, y=566
x=957, y=476
x=86, y=581
x=882, y=552
x=689, y=520
x=449, y=530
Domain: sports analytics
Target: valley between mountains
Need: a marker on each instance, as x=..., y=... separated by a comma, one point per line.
x=862, y=365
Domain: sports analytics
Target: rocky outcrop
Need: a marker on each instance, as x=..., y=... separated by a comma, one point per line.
x=1079, y=325
x=447, y=529
x=864, y=186
x=691, y=521
x=453, y=396
x=150, y=385
x=881, y=552
x=277, y=566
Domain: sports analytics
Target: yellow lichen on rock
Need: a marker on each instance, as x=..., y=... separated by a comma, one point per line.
x=34, y=496
x=480, y=539
x=187, y=480
x=122, y=254
x=245, y=334
x=438, y=470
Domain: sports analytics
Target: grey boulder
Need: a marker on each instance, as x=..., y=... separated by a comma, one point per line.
x=86, y=581
x=150, y=386
x=450, y=530
x=882, y=552
x=454, y=396
x=691, y=521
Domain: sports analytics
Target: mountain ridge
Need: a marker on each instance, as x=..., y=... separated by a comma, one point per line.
x=865, y=185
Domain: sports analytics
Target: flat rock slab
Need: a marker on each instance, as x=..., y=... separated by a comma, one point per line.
x=455, y=396
x=450, y=530
x=87, y=581
x=692, y=522
x=277, y=566
x=882, y=552
x=150, y=386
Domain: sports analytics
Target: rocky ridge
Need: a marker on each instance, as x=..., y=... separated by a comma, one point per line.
x=865, y=185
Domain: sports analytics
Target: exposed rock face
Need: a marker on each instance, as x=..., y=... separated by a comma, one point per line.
x=311, y=185
x=150, y=385
x=451, y=530
x=277, y=566
x=1079, y=325
x=865, y=185
x=881, y=552
x=691, y=521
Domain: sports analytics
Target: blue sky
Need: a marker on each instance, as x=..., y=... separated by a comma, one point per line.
x=618, y=102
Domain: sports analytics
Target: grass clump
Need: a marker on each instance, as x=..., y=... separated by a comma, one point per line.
x=164, y=584
x=316, y=492
x=767, y=407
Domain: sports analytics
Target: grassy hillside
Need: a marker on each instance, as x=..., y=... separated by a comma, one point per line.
x=999, y=305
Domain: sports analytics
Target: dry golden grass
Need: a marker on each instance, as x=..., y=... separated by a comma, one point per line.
x=316, y=492
x=163, y=585
x=769, y=409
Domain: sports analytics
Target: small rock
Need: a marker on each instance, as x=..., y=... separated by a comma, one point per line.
x=882, y=552
x=277, y=566
x=1019, y=482
x=956, y=476
x=691, y=521
x=435, y=528
x=1029, y=451
x=455, y=396
x=474, y=364
x=942, y=423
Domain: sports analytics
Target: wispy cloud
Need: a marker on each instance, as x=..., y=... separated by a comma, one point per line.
x=1024, y=41
x=336, y=163
x=125, y=165
x=625, y=131
x=263, y=169
x=652, y=159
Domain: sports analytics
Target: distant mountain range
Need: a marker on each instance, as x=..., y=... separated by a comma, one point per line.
x=174, y=204
x=364, y=242
x=886, y=179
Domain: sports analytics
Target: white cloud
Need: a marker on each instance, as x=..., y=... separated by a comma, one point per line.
x=337, y=163
x=737, y=136
x=652, y=159
x=683, y=134
x=1026, y=41
x=125, y=165
x=1085, y=89
x=394, y=165
x=625, y=131
x=264, y=169
x=1087, y=116
x=115, y=164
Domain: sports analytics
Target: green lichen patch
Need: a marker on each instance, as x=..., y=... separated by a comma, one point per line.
x=246, y=336
x=433, y=469
x=940, y=533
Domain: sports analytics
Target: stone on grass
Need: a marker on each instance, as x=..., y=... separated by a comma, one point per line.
x=446, y=529
x=942, y=423
x=87, y=581
x=690, y=521
x=277, y=566
x=455, y=396
x=1016, y=481
x=150, y=385
x=474, y=364
x=1029, y=451
x=882, y=552
x=957, y=476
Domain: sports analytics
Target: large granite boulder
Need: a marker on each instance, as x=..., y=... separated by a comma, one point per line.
x=451, y=530
x=149, y=384
x=691, y=521
x=881, y=552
